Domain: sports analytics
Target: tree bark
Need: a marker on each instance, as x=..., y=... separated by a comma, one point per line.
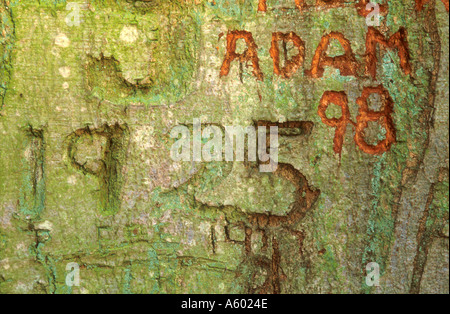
x=91, y=92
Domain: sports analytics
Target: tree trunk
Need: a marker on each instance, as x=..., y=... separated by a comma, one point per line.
x=92, y=94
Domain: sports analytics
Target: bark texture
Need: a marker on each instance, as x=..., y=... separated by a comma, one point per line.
x=89, y=94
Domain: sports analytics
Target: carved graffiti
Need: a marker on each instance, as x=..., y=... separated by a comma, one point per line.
x=366, y=115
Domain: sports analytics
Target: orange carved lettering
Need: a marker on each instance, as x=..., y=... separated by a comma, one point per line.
x=346, y=63
x=291, y=66
x=339, y=99
x=361, y=8
x=384, y=117
x=398, y=40
x=262, y=6
x=249, y=55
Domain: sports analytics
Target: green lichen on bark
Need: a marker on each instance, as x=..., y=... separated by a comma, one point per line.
x=7, y=37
